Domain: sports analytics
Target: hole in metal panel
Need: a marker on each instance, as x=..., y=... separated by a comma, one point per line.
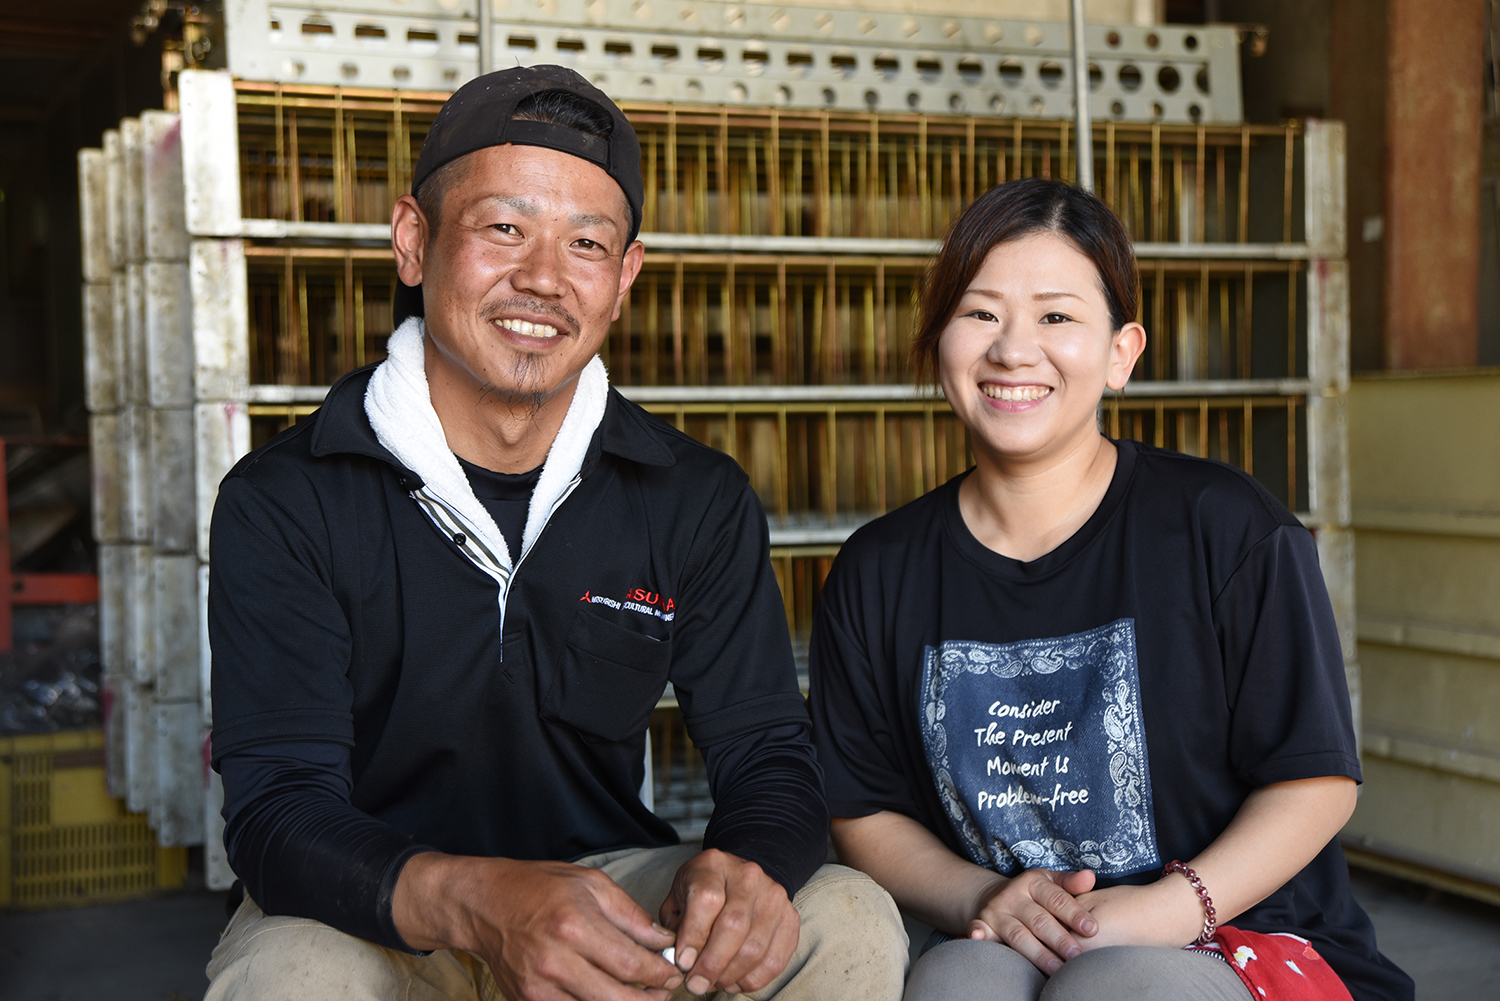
x=365, y=30
x=1153, y=40
x=929, y=67
x=1190, y=42
x=1130, y=77
x=843, y=63
x=1096, y=76
x=970, y=70
x=829, y=96
x=317, y=26
x=570, y=43
x=1051, y=74
x=1011, y=72
x=886, y=64
x=913, y=100
x=521, y=41
x=1201, y=79
x=871, y=99
x=665, y=50
x=1117, y=108
x=1168, y=79
x=421, y=35
x=1113, y=38
x=618, y=47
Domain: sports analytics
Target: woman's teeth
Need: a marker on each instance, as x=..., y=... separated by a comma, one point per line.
x=528, y=329
x=1022, y=394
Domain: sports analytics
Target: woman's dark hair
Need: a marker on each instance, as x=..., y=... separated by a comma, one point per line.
x=1008, y=212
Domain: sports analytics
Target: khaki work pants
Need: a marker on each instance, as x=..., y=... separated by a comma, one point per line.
x=852, y=945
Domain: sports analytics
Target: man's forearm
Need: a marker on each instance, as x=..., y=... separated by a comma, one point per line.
x=302, y=849
x=769, y=807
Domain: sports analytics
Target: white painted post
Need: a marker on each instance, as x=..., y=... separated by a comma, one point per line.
x=219, y=384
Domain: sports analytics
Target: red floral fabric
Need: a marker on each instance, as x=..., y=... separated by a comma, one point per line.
x=1277, y=967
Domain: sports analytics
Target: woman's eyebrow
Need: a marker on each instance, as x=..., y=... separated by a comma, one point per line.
x=1050, y=296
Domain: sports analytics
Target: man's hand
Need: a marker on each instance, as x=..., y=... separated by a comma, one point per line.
x=735, y=927
x=1036, y=914
x=548, y=930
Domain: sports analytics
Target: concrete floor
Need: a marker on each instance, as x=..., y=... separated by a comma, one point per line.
x=154, y=950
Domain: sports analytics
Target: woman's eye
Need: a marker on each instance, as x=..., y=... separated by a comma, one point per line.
x=981, y=314
x=1056, y=318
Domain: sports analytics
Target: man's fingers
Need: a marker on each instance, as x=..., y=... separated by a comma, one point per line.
x=728, y=932
x=783, y=944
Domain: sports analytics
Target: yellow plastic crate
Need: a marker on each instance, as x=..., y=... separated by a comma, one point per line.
x=63, y=840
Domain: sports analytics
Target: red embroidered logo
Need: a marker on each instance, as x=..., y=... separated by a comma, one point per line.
x=638, y=600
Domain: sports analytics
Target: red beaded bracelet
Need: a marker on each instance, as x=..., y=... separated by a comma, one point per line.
x=1210, y=918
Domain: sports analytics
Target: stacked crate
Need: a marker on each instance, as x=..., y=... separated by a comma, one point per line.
x=790, y=210
x=139, y=379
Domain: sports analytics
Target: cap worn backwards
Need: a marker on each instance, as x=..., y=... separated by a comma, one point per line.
x=480, y=115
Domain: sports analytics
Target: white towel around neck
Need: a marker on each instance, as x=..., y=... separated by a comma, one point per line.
x=399, y=407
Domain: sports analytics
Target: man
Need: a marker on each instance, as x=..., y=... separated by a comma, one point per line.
x=443, y=608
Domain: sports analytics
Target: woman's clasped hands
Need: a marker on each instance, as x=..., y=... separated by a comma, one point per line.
x=1050, y=917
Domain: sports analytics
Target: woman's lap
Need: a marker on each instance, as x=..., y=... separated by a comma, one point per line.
x=964, y=970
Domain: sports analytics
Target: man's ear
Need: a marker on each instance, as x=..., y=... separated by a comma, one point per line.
x=635, y=256
x=1129, y=342
x=408, y=239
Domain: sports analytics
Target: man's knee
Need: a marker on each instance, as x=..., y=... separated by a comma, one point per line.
x=852, y=942
x=274, y=958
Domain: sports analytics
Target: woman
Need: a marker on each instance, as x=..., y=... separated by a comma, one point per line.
x=1083, y=662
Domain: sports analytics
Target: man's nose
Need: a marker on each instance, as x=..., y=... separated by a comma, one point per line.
x=540, y=269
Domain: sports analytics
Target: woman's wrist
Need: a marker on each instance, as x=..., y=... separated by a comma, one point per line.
x=1193, y=915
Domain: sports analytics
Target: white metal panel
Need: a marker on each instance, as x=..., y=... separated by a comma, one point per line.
x=136, y=383
x=93, y=215
x=135, y=469
x=173, y=496
x=1326, y=198
x=205, y=655
x=179, y=774
x=175, y=618
x=223, y=438
x=140, y=627
x=169, y=334
x=1328, y=367
x=140, y=748
x=106, y=478
x=220, y=317
x=114, y=197
x=115, y=780
x=114, y=564
x=210, y=152
x=133, y=198
x=101, y=376
x=216, y=872
x=707, y=51
x=161, y=176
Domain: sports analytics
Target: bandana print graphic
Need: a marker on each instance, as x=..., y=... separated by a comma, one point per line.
x=1038, y=751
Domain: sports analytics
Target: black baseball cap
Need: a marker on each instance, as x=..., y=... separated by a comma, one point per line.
x=479, y=115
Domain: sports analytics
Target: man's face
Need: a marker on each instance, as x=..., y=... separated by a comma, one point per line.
x=530, y=264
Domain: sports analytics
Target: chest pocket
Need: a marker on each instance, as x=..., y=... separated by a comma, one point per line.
x=608, y=679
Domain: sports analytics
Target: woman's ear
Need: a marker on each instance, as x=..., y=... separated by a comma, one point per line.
x=1129, y=341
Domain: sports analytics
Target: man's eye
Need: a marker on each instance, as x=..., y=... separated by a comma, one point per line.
x=503, y=227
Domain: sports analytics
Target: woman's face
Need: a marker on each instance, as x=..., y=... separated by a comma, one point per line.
x=1028, y=353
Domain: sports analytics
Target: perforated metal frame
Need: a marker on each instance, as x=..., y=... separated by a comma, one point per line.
x=712, y=52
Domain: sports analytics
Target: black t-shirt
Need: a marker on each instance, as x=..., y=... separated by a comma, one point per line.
x=1109, y=705
x=506, y=496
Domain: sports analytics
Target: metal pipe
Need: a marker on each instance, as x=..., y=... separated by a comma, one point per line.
x=1081, y=99
x=486, y=36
